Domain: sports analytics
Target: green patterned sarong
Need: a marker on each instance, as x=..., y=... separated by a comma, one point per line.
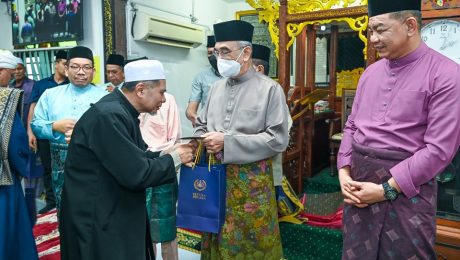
x=58, y=156
x=161, y=209
x=251, y=228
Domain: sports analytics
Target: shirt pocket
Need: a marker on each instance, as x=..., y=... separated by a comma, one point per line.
x=407, y=107
x=248, y=121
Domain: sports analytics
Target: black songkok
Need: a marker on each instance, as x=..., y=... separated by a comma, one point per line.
x=80, y=52
x=235, y=30
x=378, y=7
x=61, y=55
x=211, y=41
x=116, y=59
x=260, y=52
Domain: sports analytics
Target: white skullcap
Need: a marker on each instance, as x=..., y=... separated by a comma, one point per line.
x=8, y=60
x=19, y=61
x=143, y=70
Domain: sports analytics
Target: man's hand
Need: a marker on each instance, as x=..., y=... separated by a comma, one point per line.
x=32, y=141
x=193, y=120
x=191, y=111
x=109, y=88
x=185, y=152
x=68, y=135
x=367, y=192
x=213, y=141
x=64, y=125
x=347, y=189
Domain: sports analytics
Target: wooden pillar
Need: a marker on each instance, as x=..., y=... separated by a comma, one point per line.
x=284, y=58
x=114, y=27
x=308, y=121
x=119, y=7
x=333, y=51
x=300, y=60
x=311, y=58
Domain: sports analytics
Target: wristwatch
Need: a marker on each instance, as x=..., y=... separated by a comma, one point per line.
x=389, y=192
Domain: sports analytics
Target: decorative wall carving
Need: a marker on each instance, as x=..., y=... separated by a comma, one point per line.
x=312, y=12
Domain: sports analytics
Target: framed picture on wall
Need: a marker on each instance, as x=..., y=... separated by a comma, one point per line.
x=261, y=36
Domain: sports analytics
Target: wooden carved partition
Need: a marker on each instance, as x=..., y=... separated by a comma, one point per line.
x=295, y=20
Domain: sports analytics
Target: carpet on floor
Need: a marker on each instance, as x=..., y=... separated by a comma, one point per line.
x=46, y=233
x=300, y=242
x=189, y=240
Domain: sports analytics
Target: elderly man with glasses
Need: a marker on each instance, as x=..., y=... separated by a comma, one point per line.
x=245, y=124
x=59, y=108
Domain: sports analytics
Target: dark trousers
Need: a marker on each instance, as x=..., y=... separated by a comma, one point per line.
x=45, y=156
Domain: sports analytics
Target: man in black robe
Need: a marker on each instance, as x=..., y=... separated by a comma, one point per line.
x=108, y=168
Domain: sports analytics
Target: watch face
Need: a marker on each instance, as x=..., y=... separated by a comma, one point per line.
x=444, y=37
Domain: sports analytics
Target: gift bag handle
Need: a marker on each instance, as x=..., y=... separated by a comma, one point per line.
x=199, y=153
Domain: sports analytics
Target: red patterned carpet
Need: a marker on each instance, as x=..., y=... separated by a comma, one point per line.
x=47, y=236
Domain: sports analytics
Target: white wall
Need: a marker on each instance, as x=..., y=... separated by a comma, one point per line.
x=93, y=36
x=181, y=65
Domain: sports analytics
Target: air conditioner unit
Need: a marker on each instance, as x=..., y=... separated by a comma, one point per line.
x=165, y=32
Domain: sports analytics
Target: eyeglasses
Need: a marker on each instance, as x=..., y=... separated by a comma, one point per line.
x=224, y=52
x=85, y=68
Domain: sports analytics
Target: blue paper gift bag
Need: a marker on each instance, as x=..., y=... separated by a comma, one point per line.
x=201, y=200
x=34, y=166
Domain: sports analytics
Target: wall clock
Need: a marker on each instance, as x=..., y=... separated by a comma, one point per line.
x=444, y=37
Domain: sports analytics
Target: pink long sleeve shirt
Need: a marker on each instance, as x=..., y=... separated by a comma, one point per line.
x=162, y=130
x=409, y=104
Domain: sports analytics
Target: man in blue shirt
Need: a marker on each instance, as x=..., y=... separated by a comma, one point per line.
x=58, y=78
x=202, y=83
x=59, y=108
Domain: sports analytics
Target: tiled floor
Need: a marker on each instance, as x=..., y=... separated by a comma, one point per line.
x=183, y=254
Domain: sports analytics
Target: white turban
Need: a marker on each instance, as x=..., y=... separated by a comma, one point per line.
x=8, y=60
x=143, y=70
x=20, y=61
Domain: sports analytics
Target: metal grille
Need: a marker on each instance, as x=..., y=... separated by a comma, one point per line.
x=38, y=62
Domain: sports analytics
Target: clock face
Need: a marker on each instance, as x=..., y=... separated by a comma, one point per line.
x=444, y=37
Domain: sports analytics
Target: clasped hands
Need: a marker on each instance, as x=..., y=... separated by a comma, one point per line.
x=359, y=194
x=213, y=141
x=65, y=126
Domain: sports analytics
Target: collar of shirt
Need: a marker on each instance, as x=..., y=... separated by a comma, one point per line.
x=80, y=90
x=126, y=102
x=245, y=77
x=120, y=85
x=409, y=58
x=13, y=83
x=51, y=78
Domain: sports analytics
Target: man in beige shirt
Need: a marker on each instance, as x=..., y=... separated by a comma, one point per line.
x=244, y=123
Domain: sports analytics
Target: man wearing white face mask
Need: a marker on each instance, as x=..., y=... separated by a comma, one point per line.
x=245, y=124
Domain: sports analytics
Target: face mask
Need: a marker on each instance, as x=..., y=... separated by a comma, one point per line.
x=213, y=61
x=229, y=68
